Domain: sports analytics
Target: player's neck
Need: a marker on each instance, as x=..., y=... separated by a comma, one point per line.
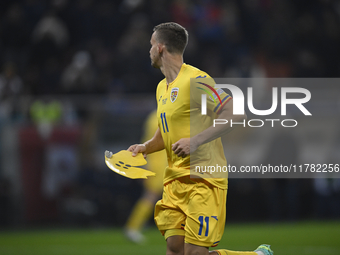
x=171, y=67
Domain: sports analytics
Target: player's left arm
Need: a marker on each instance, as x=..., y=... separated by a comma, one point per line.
x=183, y=146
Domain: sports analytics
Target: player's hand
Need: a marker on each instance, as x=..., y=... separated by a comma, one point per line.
x=183, y=147
x=137, y=148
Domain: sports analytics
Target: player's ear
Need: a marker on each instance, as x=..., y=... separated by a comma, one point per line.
x=160, y=47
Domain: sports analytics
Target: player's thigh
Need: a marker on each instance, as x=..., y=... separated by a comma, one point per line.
x=168, y=215
x=175, y=245
x=206, y=216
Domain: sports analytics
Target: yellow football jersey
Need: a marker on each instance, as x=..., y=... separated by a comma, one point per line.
x=179, y=116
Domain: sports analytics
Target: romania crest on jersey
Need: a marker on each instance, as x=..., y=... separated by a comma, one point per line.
x=174, y=94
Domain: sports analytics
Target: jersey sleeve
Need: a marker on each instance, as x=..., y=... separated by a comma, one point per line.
x=216, y=97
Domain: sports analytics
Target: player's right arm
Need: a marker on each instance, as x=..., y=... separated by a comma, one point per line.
x=154, y=144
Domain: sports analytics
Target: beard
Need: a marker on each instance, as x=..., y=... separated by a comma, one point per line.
x=155, y=62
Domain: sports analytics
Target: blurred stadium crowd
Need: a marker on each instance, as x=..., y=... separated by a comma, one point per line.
x=84, y=65
x=87, y=46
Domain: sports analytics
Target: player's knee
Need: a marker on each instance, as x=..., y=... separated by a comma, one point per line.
x=196, y=252
x=175, y=250
x=191, y=249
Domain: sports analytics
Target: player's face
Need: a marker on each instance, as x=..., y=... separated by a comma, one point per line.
x=154, y=52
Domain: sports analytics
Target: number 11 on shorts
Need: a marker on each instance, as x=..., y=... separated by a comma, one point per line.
x=201, y=220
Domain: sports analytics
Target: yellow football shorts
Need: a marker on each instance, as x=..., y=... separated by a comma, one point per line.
x=193, y=208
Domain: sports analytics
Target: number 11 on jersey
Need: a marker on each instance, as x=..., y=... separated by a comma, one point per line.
x=164, y=122
x=201, y=220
